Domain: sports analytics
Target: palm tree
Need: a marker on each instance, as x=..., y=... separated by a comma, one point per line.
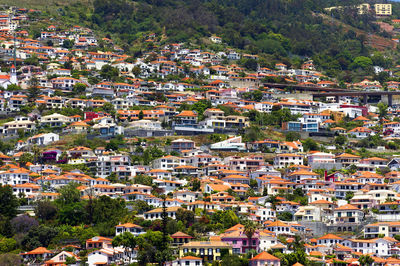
x=206, y=199
x=249, y=231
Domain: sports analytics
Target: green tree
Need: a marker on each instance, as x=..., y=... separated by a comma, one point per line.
x=108, y=108
x=8, y=209
x=365, y=260
x=255, y=95
x=340, y=140
x=109, y=73
x=69, y=194
x=253, y=133
x=143, y=180
x=292, y=136
x=349, y=195
x=310, y=145
x=186, y=216
x=292, y=258
x=8, y=202
x=33, y=60
x=227, y=218
x=13, y=87
x=33, y=90
x=107, y=212
x=39, y=236
x=362, y=62
x=10, y=259
x=45, y=210
x=233, y=260
x=7, y=245
x=196, y=185
x=72, y=213
x=68, y=44
x=126, y=240
x=136, y=71
x=285, y=216
x=251, y=64
x=26, y=158
x=71, y=210
x=151, y=247
x=70, y=260
x=140, y=206
x=79, y=88
x=382, y=110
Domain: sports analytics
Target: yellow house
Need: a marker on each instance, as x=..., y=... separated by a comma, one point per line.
x=363, y=8
x=237, y=121
x=383, y=10
x=207, y=250
x=79, y=126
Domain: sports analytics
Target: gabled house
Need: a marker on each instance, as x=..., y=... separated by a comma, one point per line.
x=263, y=259
x=36, y=255
x=129, y=227
x=61, y=259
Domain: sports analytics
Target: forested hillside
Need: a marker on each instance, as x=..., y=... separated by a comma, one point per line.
x=275, y=29
x=252, y=24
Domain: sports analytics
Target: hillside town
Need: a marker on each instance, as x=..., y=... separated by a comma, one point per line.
x=190, y=155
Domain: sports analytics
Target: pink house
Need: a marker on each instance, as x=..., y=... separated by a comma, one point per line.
x=236, y=237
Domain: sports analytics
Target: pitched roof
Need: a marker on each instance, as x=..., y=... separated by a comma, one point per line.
x=347, y=207
x=128, y=225
x=265, y=256
x=39, y=250
x=180, y=235
x=190, y=258
x=330, y=236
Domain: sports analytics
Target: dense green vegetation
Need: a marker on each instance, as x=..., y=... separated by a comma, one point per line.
x=276, y=30
x=279, y=29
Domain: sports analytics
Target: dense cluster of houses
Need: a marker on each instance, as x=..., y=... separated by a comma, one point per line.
x=343, y=193
x=373, y=208
x=228, y=86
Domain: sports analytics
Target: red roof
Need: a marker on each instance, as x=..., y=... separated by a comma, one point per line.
x=39, y=250
x=190, y=258
x=180, y=235
x=265, y=256
x=330, y=236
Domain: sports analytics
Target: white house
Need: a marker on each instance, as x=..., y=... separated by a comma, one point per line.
x=287, y=159
x=43, y=139
x=61, y=258
x=107, y=256
x=168, y=162
x=129, y=227
x=54, y=120
x=347, y=215
x=187, y=261
x=156, y=213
